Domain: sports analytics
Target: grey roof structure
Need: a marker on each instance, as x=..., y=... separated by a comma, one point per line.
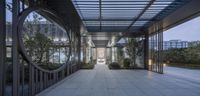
x=123, y=15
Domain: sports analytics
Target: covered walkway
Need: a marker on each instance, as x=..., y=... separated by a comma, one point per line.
x=45, y=44
x=104, y=82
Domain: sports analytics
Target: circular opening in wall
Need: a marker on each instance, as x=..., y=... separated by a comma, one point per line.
x=43, y=42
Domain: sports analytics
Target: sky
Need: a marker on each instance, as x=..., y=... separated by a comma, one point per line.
x=188, y=31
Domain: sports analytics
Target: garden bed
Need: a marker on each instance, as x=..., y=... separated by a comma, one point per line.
x=87, y=66
x=115, y=65
x=188, y=66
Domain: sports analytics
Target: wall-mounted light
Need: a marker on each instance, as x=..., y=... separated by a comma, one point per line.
x=150, y=62
x=164, y=64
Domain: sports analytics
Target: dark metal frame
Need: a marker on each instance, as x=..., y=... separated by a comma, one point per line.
x=141, y=13
x=38, y=78
x=23, y=16
x=107, y=8
x=155, y=49
x=100, y=14
x=146, y=51
x=15, y=54
x=2, y=46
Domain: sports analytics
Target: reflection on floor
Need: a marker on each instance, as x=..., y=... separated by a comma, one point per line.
x=104, y=82
x=187, y=74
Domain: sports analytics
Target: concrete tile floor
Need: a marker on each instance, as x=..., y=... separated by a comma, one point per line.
x=104, y=82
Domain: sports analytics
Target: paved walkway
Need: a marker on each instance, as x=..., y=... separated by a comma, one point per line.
x=104, y=82
x=188, y=74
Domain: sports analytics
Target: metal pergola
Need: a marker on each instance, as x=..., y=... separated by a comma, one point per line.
x=147, y=18
x=123, y=15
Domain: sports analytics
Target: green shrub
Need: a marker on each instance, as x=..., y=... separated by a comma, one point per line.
x=114, y=65
x=126, y=63
x=86, y=65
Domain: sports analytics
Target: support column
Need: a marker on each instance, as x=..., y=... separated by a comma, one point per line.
x=113, y=54
x=15, y=54
x=84, y=53
x=79, y=50
x=146, y=51
x=2, y=47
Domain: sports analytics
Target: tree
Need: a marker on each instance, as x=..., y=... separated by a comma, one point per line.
x=190, y=55
x=131, y=50
x=38, y=46
x=36, y=40
x=120, y=55
x=193, y=54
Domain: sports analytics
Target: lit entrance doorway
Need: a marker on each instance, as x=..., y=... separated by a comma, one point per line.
x=101, y=55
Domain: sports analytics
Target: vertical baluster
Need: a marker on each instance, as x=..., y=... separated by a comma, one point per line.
x=36, y=80
x=22, y=77
x=31, y=80
x=54, y=78
x=45, y=80
x=62, y=74
x=76, y=66
x=51, y=78
x=41, y=80
x=74, y=70
x=48, y=79
x=71, y=68
x=56, y=75
x=67, y=69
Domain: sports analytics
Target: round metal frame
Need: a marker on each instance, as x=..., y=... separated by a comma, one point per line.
x=21, y=46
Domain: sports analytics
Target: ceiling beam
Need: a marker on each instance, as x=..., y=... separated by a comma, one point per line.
x=120, y=1
x=114, y=19
x=181, y=15
x=123, y=4
x=115, y=7
x=100, y=15
x=141, y=13
x=89, y=9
